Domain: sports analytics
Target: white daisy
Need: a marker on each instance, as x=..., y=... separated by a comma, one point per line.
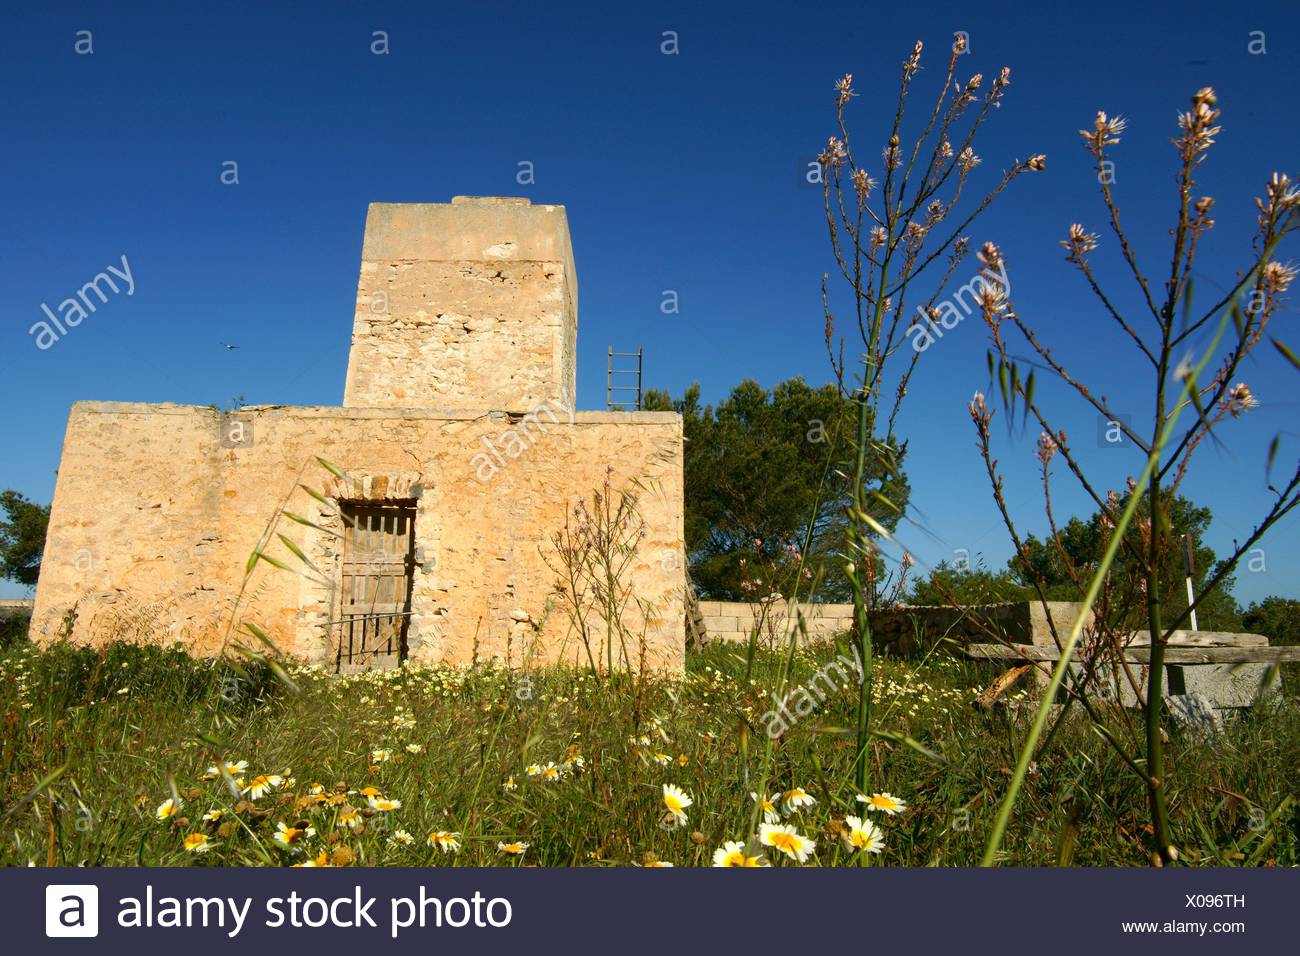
x=884, y=802
x=770, y=812
x=263, y=784
x=796, y=799
x=786, y=839
x=732, y=853
x=677, y=800
x=862, y=835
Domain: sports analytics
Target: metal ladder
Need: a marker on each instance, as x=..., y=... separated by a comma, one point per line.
x=613, y=385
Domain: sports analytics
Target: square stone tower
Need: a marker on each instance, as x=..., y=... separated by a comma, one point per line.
x=455, y=461
x=469, y=305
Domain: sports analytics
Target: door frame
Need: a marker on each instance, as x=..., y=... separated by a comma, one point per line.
x=377, y=522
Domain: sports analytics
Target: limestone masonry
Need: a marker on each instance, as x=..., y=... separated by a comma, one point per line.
x=460, y=455
x=472, y=305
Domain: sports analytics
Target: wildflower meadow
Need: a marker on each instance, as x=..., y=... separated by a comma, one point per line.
x=135, y=755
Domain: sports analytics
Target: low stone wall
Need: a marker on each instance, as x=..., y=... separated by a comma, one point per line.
x=737, y=620
x=15, y=607
x=912, y=628
x=904, y=629
x=15, y=621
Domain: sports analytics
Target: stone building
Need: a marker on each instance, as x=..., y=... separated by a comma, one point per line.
x=457, y=457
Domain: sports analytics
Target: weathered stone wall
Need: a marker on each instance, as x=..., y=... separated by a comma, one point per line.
x=155, y=514
x=467, y=305
x=15, y=607
x=736, y=620
x=903, y=629
x=910, y=628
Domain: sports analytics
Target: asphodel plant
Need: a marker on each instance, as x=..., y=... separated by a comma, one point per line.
x=898, y=226
x=1188, y=406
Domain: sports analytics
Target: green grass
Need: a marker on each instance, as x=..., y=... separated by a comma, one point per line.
x=124, y=728
x=13, y=630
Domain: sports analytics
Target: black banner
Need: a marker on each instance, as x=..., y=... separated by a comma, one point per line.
x=643, y=911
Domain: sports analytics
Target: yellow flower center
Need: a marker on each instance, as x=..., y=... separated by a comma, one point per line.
x=785, y=841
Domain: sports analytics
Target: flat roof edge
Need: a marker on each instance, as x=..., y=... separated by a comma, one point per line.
x=542, y=413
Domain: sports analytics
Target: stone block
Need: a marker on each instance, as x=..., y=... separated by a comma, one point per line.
x=1223, y=685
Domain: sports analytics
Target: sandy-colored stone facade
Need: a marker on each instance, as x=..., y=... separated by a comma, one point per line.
x=157, y=508
x=468, y=305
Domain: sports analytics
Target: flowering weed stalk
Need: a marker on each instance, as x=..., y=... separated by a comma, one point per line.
x=1168, y=329
x=882, y=246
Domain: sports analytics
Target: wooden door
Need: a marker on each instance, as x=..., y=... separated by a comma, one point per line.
x=375, y=584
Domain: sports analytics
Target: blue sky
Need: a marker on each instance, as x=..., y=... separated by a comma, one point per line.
x=681, y=172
